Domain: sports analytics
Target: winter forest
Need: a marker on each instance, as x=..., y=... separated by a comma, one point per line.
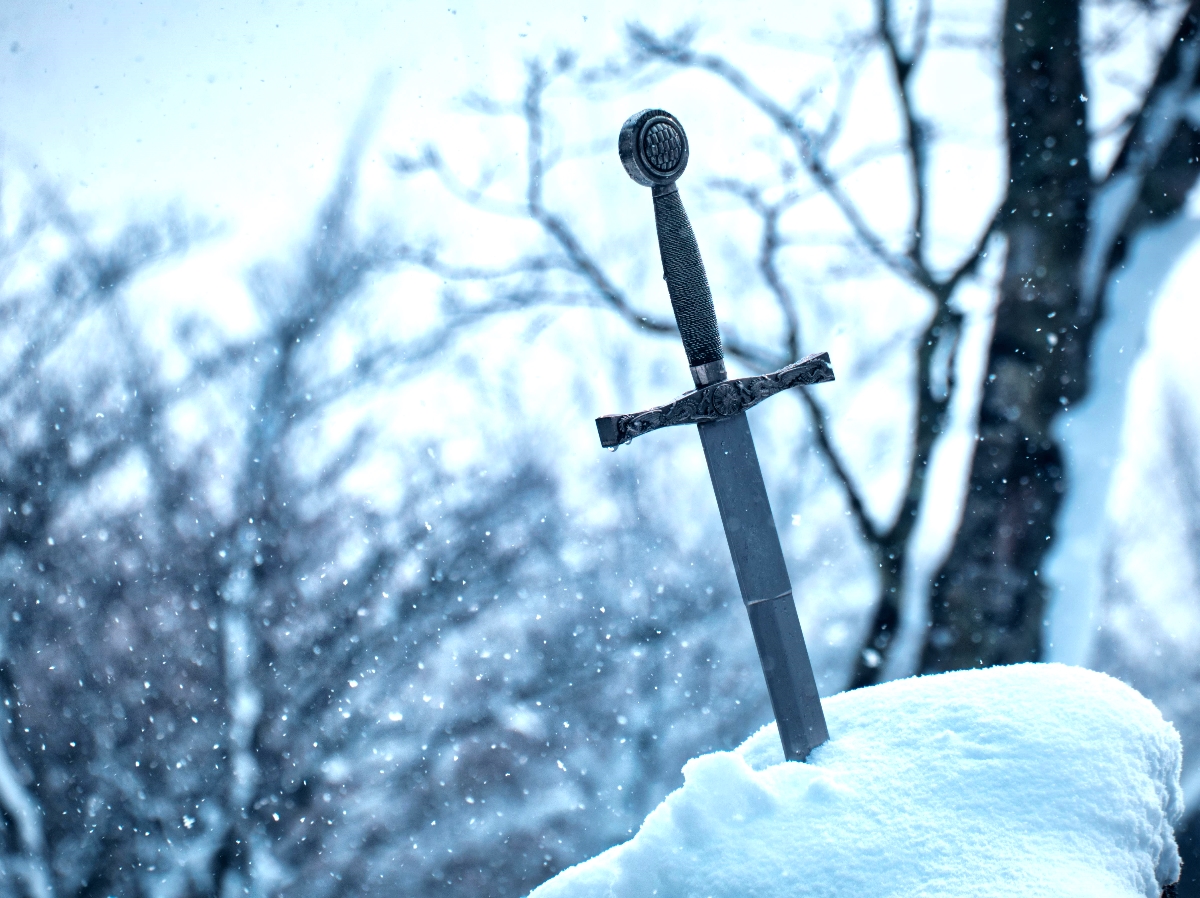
x=316, y=579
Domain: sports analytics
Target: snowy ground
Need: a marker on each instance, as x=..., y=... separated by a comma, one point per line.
x=1026, y=780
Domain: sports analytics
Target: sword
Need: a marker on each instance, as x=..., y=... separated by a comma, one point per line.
x=654, y=151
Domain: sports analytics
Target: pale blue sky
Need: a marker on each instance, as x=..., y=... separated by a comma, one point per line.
x=241, y=109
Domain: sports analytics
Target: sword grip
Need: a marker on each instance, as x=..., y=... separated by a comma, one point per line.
x=654, y=151
x=687, y=282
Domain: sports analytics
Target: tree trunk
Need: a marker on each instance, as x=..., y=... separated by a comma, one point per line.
x=987, y=600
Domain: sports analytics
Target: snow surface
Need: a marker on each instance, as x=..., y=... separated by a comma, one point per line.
x=1035, y=779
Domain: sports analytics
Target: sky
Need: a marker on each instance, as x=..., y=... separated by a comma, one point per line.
x=239, y=112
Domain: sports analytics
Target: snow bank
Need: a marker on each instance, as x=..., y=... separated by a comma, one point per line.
x=1037, y=779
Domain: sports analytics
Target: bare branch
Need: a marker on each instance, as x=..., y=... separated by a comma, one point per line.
x=909, y=264
x=431, y=160
x=848, y=72
x=902, y=69
x=803, y=141
x=858, y=509
x=1160, y=120
x=921, y=30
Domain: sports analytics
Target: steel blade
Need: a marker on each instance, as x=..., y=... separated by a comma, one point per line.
x=763, y=580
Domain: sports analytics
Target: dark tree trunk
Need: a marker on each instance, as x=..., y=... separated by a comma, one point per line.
x=1188, y=837
x=987, y=601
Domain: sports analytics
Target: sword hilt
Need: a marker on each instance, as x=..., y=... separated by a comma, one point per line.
x=654, y=151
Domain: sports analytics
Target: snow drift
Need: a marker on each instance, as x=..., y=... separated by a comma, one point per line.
x=1036, y=779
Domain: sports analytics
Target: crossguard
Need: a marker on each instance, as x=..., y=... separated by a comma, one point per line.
x=714, y=402
x=654, y=151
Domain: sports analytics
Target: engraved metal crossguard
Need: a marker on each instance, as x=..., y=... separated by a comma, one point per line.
x=715, y=401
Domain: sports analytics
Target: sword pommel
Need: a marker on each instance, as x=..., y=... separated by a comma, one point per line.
x=653, y=148
x=654, y=151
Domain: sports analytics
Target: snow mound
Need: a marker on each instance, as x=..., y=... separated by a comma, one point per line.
x=1036, y=779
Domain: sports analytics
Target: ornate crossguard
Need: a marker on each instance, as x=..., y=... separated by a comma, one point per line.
x=716, y=401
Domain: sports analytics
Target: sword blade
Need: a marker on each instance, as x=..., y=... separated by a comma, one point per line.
x=764, y=583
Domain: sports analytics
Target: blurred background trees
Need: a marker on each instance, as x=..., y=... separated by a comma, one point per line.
x=339, y=597
x=235, y=662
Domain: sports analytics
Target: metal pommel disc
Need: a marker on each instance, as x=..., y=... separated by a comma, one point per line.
x=653, y=147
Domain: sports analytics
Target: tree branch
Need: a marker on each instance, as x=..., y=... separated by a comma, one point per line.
x=1159, y=121
x=902, y=69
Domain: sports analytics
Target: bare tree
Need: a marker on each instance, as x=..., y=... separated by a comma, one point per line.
x=1064, y=233
x=583, y=278
x=229, y=671
x=56, y=443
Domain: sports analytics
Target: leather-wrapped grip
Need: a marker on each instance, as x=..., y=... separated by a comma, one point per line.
x=686, y=279
x=654, y=151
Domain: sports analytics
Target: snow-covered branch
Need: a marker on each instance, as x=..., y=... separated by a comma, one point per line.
x=1163, y=118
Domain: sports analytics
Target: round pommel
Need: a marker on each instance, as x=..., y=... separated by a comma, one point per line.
x=653, y=147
